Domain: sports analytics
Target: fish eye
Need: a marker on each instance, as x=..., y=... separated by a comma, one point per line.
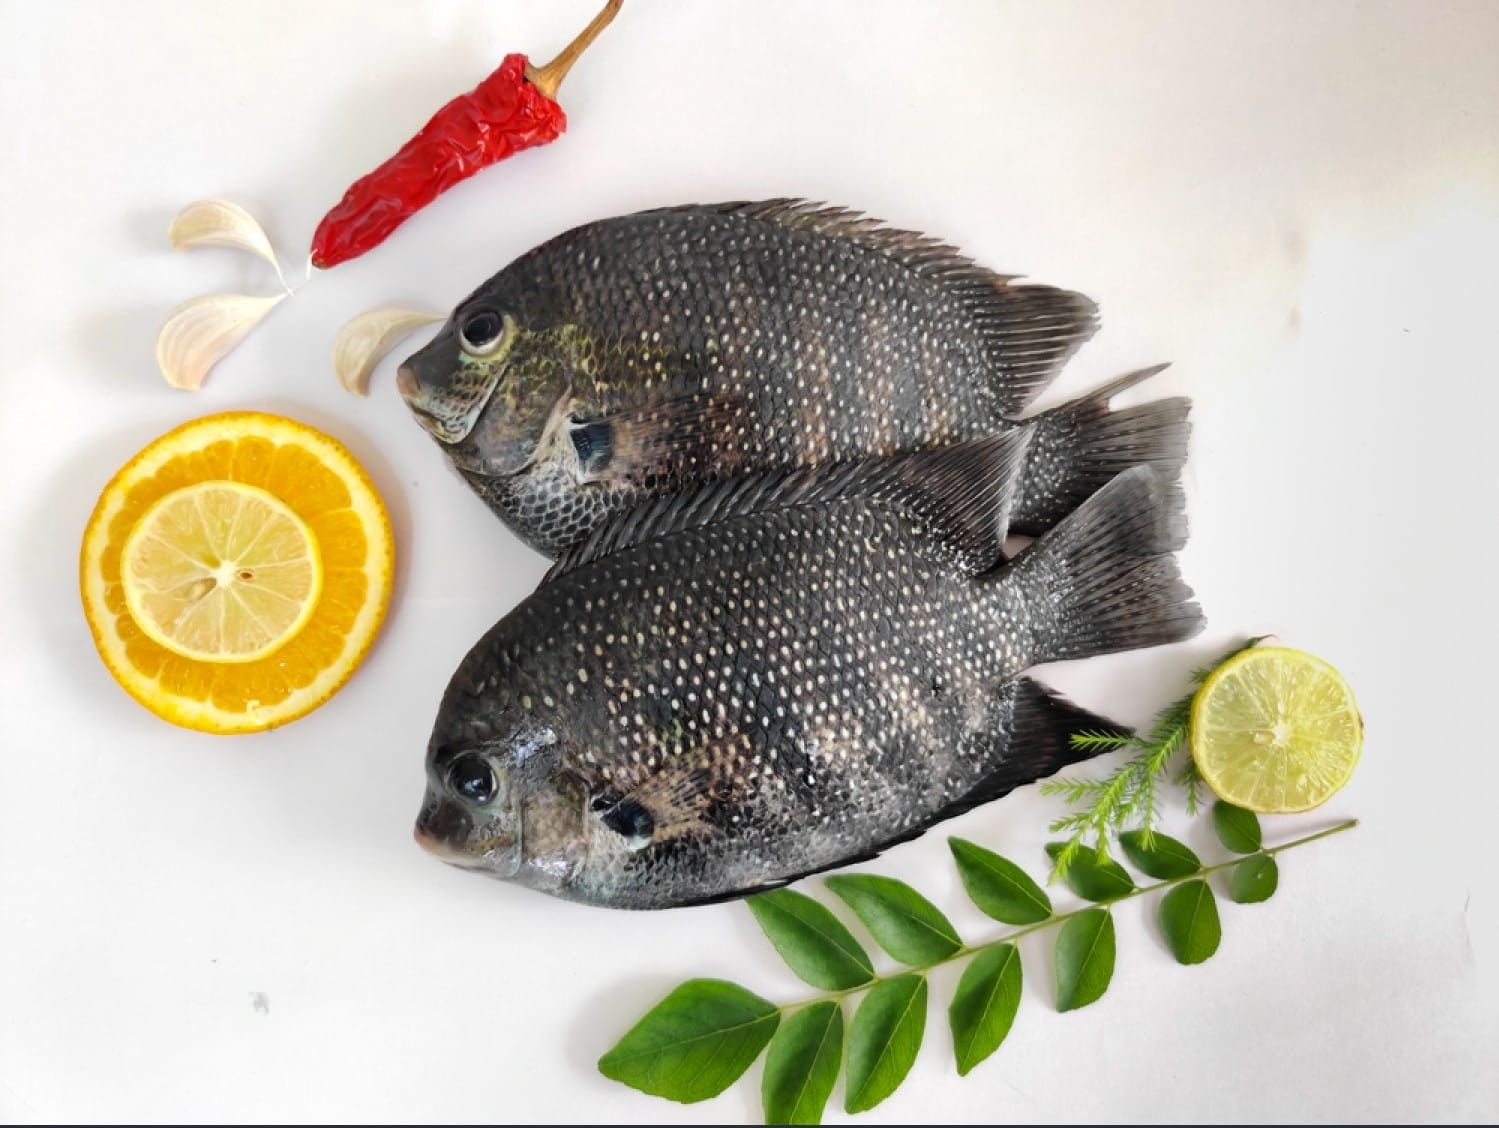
x=472, y=779
x=481, y=332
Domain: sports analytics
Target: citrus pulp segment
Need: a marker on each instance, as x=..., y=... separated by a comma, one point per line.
x=221, y=572
x=1275, y=730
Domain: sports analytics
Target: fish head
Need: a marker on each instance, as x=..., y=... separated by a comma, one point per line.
x=486, y=386
x=492, y=803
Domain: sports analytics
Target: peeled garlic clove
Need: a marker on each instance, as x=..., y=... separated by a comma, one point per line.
x=219, y=223
x=200, y=331
x=363, y=341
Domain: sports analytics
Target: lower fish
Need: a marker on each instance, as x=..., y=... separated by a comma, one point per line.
x=783, y=673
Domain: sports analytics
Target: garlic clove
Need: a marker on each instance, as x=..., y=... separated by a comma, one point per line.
x=200, y=331
x=219, y=223
x=362, y=342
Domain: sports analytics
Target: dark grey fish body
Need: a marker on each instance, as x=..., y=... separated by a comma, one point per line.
x=636, y=356
x=784, y=674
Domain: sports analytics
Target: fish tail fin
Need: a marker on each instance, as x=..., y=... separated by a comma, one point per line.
x=1081, y=446
x=1104, y=579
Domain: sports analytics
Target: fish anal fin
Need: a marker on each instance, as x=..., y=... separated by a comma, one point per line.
x=1033, y=740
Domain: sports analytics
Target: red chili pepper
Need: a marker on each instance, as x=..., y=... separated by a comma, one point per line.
x=511, y=110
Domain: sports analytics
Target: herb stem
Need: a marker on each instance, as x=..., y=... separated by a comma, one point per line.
x=966, y=950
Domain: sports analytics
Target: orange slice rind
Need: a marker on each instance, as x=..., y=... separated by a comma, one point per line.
x=311, y=493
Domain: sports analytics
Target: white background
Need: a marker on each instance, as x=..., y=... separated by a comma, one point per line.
x=1297, y=204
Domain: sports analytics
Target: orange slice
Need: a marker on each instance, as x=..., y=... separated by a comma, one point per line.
x=235, y=572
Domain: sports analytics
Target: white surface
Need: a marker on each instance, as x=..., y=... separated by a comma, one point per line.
x=1298, y=204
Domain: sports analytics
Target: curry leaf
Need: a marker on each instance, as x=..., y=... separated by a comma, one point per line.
x=984, y=1007
x=883, y=1040
x=1254, y=880
x=812, y=940
x=801, y=1065
x=695, y=1043
x=1159, y=855
x=1237, y=828
x=901, y=920
x=1085, y=958
x=1189, y=922
x=998, y=886
x=1093, y=878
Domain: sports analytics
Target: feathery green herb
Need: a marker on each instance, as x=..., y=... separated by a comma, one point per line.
x=1130, y=793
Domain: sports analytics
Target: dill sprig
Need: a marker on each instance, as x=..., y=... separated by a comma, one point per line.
x=1130, y=794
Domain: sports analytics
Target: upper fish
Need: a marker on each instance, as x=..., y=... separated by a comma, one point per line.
x=632, y=357
x=776, y=674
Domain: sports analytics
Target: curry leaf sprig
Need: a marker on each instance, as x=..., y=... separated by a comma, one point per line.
x=1129, y=794
x=702, y=1037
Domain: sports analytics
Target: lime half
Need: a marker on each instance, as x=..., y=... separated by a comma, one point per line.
x=1275, y=730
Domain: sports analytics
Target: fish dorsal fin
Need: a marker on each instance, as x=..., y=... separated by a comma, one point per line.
x=1029, y=331
x=961, y=493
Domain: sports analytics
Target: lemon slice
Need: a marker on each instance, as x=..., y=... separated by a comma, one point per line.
x=1275, y=730
x=236, y=571
x=222, y=572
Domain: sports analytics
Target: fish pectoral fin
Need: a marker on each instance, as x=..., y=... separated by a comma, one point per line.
x=676, y=801
x=593, y=446
x=672, y=435
x=669, y=436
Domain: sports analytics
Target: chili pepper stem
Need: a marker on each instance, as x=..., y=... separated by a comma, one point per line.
x=548, y=78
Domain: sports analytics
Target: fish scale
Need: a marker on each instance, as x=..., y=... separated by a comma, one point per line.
x=762, y=679
x=636, y=356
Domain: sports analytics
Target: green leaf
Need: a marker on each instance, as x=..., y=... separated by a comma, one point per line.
x=1254, y=880
x=1237, y=828
x=998, y=886
x=1189, y=922
x=1085, y=958
x=984, y=1007
x=883, y=1040
x=812, y=940
x=901, y=920
x=1159, y=855
x=694, y=1043
x=802, y=1065
x=1091, y=878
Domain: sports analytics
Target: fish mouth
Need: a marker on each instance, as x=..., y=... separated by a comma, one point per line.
x=446, y=831
x=447, y=403
x=445, y=428
x=440, y=847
